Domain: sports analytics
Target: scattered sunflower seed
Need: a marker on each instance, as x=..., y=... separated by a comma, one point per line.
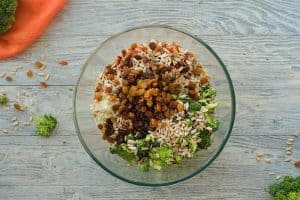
x=288, y=149
x=278, y=177
x=291, y=139
x=16, y=123
x=268, y=160
x=271, y=173
x=296, y=134
x=2, y=74
x=289, y=143
x=287, y=160
x=13, y=119
x=47, y=77
x=31, y=119
x=288, y=153
x=5, y=131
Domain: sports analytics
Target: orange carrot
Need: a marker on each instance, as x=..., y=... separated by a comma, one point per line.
x=32, y=18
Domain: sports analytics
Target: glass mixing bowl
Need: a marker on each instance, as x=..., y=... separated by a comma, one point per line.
x=98, y=149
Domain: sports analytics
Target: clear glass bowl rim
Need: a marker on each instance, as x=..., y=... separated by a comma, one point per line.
x=210, y=160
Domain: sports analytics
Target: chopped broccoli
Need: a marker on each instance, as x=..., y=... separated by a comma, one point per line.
x=287, y=189
x=142, y=146
x=211, y=106
x=188, y=122
x=144, y=166
x=193, y=145
x=178, y=159
x=123, y=151
x=212, y=122
x=161, y=157
x=7, y=14
x=205, y=139
x=194, y=106
x=207, y=92
x=3, y=99
x=44, y=125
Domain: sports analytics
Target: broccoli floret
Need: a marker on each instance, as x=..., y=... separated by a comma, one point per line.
x=188, y=122
x=123, y=151
x=205, y=139
x=207, y=92
x=44, y=125
x=142, y=146
x=144, y=166
x=7, y=14
x=211, y=106
x=3, y=99
x=212, y=122
x=161, y=157
x=194, y=106
x=287, y=189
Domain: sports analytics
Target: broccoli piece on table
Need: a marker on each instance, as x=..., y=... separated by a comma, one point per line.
x=3, y=99
x=44, y=125
x=212, y=122
x=123, y=151
x=161, y=157
x=7, y=14
x=287, y=189
x=206, y=140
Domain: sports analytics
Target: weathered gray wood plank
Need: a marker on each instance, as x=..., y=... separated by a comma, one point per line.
x=259, y=41
x=213, y=17
x=53, y=165
x=252, y=61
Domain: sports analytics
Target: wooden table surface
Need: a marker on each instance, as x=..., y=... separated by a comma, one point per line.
x=259, y=41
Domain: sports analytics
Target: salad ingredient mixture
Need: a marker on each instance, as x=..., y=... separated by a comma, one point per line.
x=7, y=14
x=155, y=105
x=287, y=189
x=44, y=125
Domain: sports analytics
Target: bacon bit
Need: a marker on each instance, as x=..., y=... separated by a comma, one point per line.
x=8, y=78
x=39, y=64
x=43, y=84
x=18, y=107
x=63, y=62
x=29, y=73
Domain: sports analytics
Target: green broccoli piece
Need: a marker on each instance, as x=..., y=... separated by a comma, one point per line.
x=7, y=14
x=205, y=139
x=142, y=146
x=194, y=106
x=44, y=125
x=3, y=99
x=188, y=122
x=161, y=157
x=207, y=92
x=123, y=151
x=144, y=166
x=212, y=122
x=287, y=189
x=211, y=106
x=192, y=145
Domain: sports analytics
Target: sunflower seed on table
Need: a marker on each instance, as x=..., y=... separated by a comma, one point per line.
x=291, y=139
x=268, y=160
x=288, y=153
x=278, y=177
x=287, y=160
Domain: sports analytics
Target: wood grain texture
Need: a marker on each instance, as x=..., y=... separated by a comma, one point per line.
x=259, y=41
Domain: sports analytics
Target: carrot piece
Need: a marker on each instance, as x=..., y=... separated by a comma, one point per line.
x=32, y=18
